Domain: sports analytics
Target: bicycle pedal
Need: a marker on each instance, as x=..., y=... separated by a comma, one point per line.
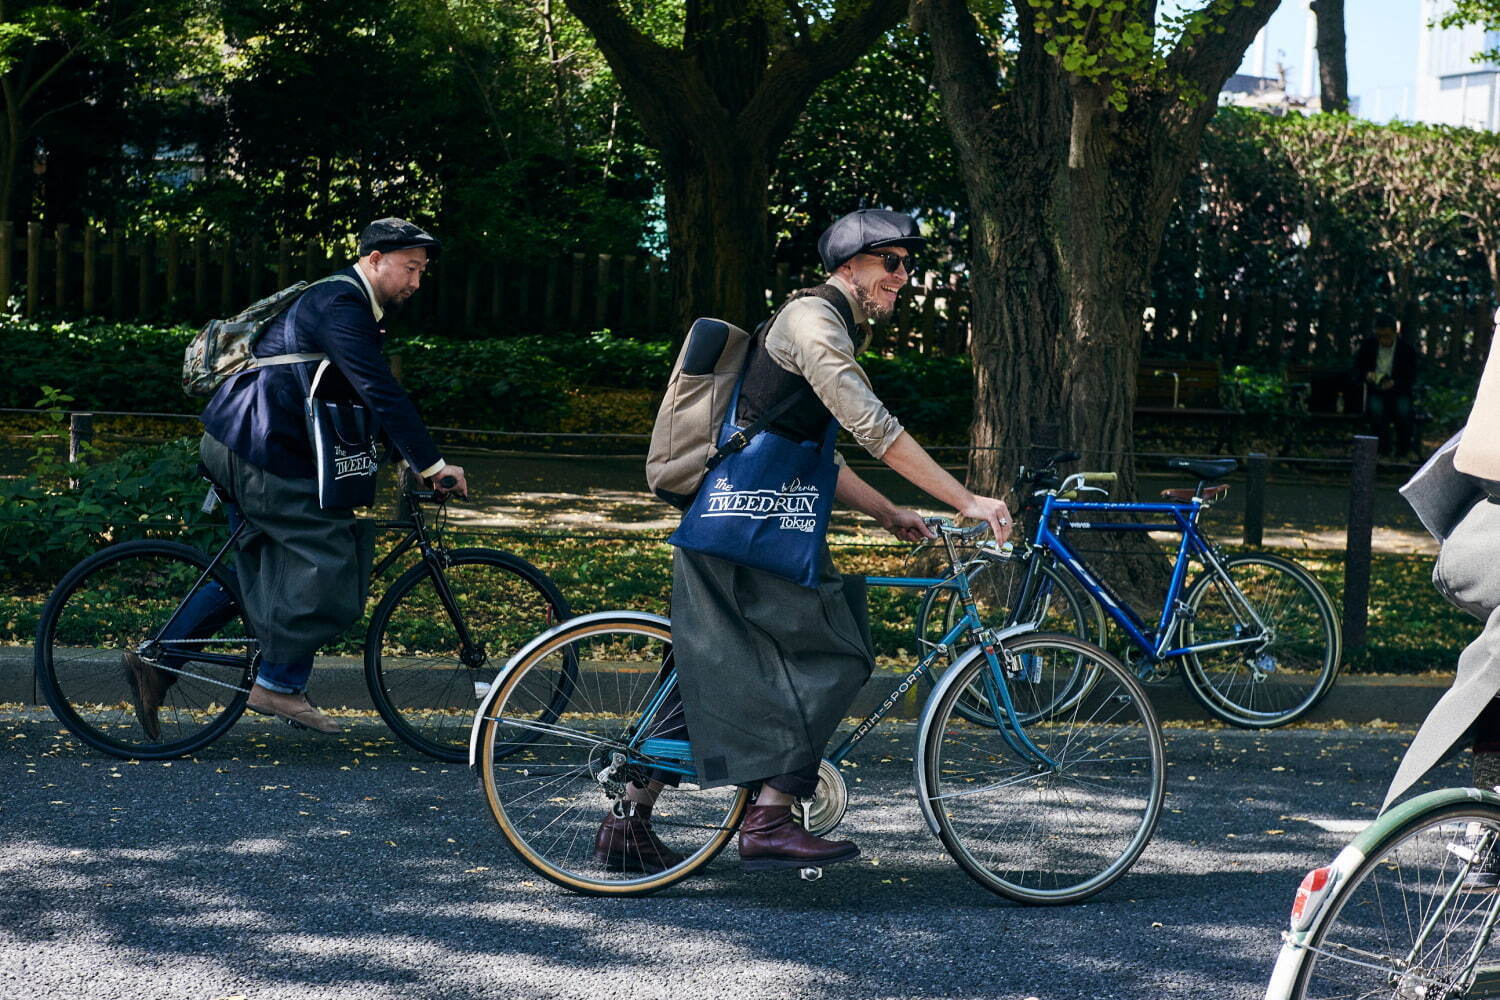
x=810, y=874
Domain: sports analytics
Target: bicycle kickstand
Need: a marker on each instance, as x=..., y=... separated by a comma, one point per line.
x=808, y=874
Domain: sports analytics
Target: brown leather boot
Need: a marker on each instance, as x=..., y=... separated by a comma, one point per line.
x=770, y=839
x=628, y=844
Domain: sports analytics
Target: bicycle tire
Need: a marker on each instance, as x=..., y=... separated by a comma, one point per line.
x=1364, y=937
x=1045, y=834
x=543, y=781
x=423, y=683
x=112, y=603
x=1058, y=606
x=1279, y=681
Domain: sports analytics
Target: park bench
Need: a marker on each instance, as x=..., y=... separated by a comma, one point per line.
x=1186, y=391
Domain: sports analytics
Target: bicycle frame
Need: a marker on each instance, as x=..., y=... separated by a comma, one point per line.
x=1157, y=643
x=675, y=756
x=417, y=536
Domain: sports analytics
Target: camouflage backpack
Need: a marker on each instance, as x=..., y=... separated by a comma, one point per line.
x=225, y=347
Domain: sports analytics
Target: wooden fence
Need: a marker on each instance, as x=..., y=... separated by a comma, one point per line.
x=1272, y=328
x=191, y=277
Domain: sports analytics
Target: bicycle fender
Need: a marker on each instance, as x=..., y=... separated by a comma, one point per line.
x=497, y=685
x=924, y=726
x=1289, y=959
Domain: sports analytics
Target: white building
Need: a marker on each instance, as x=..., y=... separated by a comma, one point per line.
x=1452, y=89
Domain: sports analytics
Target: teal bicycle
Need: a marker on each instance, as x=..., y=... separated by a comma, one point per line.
x=1051, y=800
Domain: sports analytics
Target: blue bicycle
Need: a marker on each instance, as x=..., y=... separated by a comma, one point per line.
x=1049, y=800
x=1257, y=638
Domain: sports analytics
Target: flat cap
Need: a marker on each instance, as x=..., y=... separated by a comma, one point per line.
x=867, y=229
x=390, y=234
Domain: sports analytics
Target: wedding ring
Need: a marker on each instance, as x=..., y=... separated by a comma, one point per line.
x=1003, y=522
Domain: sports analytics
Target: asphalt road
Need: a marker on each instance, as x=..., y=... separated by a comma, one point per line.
x=280, y=864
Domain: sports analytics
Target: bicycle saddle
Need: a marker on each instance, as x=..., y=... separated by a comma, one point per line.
x=1210, y=468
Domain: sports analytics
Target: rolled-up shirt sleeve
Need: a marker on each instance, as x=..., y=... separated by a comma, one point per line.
x=809, y=338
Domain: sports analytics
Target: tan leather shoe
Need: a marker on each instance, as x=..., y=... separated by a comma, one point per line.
x=147, y=685
x=291, y=707
x=770, y=839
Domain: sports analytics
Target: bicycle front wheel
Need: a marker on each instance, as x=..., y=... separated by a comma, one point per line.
x=115, y=604
x=1058, y=605
x=1293, y=657
x=1059, y=828
x=550, y=780
x=425, y=680
x=1402, y=925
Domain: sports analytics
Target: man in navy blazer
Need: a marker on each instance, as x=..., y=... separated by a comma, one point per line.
x=303, y=570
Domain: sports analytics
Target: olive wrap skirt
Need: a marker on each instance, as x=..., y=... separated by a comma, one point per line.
x=766, y=668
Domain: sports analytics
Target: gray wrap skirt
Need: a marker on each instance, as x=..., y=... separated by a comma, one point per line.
x=767, y=668
x=304, y=572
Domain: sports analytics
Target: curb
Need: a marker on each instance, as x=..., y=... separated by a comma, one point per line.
x=339, y=681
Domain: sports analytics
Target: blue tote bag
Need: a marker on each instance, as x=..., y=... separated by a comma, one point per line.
x=765, y=500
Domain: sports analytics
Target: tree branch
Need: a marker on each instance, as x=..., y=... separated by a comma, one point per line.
x=966, y=81
x=796, y=72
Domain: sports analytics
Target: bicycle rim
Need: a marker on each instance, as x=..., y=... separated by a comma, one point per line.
x=1372, y=941
x=424, y=682
x=1040, y=834
x=1275, y=681
x=114, y=603
x=550, y=783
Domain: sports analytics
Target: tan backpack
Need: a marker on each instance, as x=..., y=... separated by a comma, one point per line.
x=713, y=359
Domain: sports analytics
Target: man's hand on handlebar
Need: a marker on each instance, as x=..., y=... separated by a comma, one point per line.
x=450, y=480
x=991, y=510
x=908, y=525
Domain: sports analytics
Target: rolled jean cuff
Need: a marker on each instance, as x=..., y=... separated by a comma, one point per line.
x=284, y=678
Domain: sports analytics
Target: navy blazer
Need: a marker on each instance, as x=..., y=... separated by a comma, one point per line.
x=261, y=414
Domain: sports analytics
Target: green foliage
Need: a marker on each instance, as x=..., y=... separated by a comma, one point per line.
x=932, y=396
x=1255, y=390
x=46, y=526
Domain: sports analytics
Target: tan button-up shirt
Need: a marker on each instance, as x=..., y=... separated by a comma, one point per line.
x=809, y=338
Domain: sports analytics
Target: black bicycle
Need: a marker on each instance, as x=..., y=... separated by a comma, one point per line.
x=436, y=639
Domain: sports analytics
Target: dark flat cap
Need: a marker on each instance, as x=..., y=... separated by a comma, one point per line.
x=386, y=235
x=867, y=229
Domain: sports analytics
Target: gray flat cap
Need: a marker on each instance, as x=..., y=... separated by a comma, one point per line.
x=390, y=234
x=867, y=229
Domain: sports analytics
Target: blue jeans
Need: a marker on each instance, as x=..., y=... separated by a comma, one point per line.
x=209, y=609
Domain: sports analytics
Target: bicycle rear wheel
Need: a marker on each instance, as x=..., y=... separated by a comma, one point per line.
x=1276, y=680
x=117, y=601
x=424, y=681
x=550, y=779
x=1401, y=925
x=1034, y=832
x=1059, y=605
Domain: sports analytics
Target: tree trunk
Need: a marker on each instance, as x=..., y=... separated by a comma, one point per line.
x=716, y=226
x=718, y=109
x=1067, y=220
x=1333, y=56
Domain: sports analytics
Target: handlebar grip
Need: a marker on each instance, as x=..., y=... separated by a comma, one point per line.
x=1101, y=477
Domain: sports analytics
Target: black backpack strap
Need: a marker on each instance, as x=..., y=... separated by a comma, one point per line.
x=741, y=438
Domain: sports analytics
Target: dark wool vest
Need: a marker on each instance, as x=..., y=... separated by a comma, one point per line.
x=767, y=383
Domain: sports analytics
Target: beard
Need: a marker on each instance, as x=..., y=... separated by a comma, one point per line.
x=874, y=310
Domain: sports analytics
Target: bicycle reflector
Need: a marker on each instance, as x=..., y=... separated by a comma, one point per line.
x=1311, y=894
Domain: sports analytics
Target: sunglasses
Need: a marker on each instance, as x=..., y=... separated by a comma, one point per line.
x=892, y=261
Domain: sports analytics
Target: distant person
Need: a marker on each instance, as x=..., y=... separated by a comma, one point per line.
x=1387, y=368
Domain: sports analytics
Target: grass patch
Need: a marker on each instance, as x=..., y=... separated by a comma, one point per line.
x=1412, y=629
